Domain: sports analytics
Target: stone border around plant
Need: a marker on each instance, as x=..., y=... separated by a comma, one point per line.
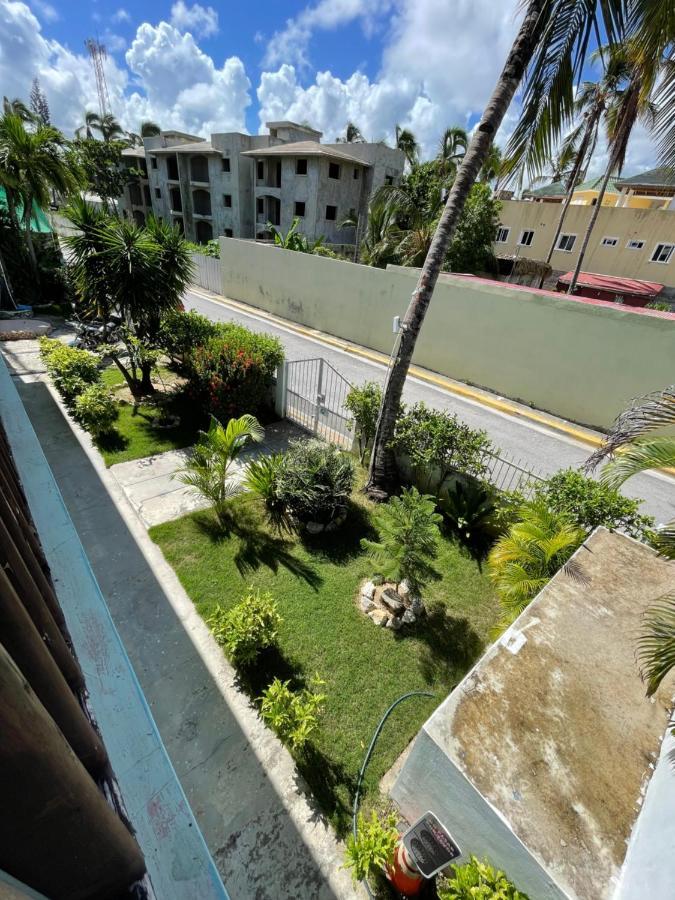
x=388, y=605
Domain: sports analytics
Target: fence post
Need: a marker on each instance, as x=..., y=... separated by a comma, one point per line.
x=280, y=394
x=320, y=399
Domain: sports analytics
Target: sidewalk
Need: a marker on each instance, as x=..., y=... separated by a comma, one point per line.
x=268, y=839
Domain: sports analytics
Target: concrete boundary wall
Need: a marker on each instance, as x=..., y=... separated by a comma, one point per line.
x=579, y=359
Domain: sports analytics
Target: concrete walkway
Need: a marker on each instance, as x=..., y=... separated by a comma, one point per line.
x=266, y=834
x=157, y=494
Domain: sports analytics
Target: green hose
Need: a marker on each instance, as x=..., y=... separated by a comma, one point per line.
x=369, y=754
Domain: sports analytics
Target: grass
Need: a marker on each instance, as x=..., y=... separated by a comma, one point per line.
x=315, y=581
x=135, y=435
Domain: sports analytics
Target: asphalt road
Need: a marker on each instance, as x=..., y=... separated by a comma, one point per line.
x=533, y=446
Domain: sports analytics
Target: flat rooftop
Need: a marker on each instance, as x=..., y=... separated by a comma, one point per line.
x=552, y=726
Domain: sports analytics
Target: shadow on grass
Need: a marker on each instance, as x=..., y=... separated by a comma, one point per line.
x=271, y=663
x=452, y=645
x=330, y=783
x=112, y=442
x=256, y=546
x=344, y=543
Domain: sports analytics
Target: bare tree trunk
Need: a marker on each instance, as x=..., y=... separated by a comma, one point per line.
x=578, y=165
x=591, y=225
x=29, y=235
x=382, y=475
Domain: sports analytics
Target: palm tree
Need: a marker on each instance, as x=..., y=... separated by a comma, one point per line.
x=92, y=121
x=405, y=141
x=110, y=128
x=352, y=135
x=34, y=164
x=550, y=45
x=641, y=449
x=452, y=148
x=17, y=107
x=147, y=129
x=491, y=169
x=209, y=469
x=626, y=105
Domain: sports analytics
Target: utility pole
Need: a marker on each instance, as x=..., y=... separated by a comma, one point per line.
x=98, y=55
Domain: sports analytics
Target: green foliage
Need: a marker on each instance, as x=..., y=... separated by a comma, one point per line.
x=373, y=848
x=293, y=715
x=294, y=239
x=101, y=164
x=659, y=305
x=232, y=372
x=71, y=370
x=96, y=409
x=471, y=246
x=314, y=481
x=247, y=627
x=437, y=443
x=656, y=644
x=523, y=561
x=210, y=248
x=469, y=507
x=364, y=404
x=209, y=469
x=589, y=503
x=409, y=534
x=477, y=880
x=180, y=332
x=261, y=479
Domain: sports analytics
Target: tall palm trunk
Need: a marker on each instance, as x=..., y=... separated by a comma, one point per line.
x=574, y=178
x=382, y=474
x=11, y=207
x=591, y=225
x=28, y=209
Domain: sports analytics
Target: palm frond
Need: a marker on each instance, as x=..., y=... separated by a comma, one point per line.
x=647, y=453
x=663, y=540
x=656, y=644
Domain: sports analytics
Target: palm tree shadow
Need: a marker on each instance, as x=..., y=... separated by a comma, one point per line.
x=452, y=645
x=256, y=546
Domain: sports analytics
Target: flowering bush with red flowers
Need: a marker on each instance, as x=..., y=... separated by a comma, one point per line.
x=231, y=373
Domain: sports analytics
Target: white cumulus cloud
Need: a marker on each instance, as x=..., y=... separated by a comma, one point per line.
x=121, y=15
x=201, y=20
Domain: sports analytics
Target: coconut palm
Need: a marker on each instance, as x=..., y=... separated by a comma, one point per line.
x=210, y=468
x=110, y=128
x=551, y=46
x=92, y=121
x=147, y=129
x=491, y=169
x=17, y=107
x=453, y=146
x=636, y=434
x=352, y=135
x=405, y=141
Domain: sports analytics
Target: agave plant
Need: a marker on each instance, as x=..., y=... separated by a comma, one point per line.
x=523, y=561
x=632, y=438
x=209, y=470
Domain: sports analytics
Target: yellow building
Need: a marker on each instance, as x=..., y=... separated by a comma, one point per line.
x=627, y=242
x=654, y=189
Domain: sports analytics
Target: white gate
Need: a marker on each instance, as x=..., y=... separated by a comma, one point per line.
x=314, y=395
x=207, y=272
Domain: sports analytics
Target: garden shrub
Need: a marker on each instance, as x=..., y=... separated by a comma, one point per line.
x=232, y=372
x=96, y=409
x=246, y=628
x=71, y=370
x=469, y=507
x=314, y=481
x=589, y=503
x=477, y=880
x=373, y=848
x=293, y=715
x=364, y=404
x=180, y=332
x=437, y=443
x=408, y=529
x=261, y=479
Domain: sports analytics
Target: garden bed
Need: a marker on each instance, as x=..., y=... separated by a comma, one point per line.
x=315, y=580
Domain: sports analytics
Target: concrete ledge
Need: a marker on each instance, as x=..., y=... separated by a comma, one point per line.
x=23, y=329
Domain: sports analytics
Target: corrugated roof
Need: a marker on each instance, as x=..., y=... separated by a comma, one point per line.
x=593, y=184
x=615, y=284
x=661, y=177
x=305, y=148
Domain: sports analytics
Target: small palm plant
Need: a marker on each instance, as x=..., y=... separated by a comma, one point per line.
x=209, y=470
x=523, y=561
x=408, y=527
x=641, y=449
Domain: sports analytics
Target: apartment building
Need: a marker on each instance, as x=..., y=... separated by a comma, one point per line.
x=654, y=189
x=235, y=184
x=626, y=242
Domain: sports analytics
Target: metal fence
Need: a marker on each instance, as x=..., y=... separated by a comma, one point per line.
x=314, y=398
x=207, y=272
x=507, y=475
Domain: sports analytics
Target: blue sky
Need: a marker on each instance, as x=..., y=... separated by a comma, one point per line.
x=204, y=67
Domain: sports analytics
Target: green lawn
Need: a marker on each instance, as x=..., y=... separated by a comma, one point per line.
x=365, y=667
x=135, y=435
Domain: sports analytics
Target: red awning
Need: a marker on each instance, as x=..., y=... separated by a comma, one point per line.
x=615, y=285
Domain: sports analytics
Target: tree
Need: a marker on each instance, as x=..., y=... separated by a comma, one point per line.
x=551, y=45
x=91, y=121
x=453, y=147
x=633, y=433
x=491, y=169
x=352, y=135
x=110, y=128
x=147, y=129
x=38, y=103
x=16, y=107
x=405, y=141
x=101, y=165
x=209, y=469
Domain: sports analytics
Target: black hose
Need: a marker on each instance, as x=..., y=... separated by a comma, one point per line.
x=367, y=760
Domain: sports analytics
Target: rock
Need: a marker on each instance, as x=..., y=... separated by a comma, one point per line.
x=417, y=606
x=394, y=623
x=408, y=617
x=392, y=600
x=404, y=590
x=366, y=604
x=314, y=527
x=379, y=617
x=368, y=590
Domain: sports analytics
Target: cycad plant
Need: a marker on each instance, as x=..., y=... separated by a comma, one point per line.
x=523, y=561
x=210, y=469
x=408, y=528
x=640, y=449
